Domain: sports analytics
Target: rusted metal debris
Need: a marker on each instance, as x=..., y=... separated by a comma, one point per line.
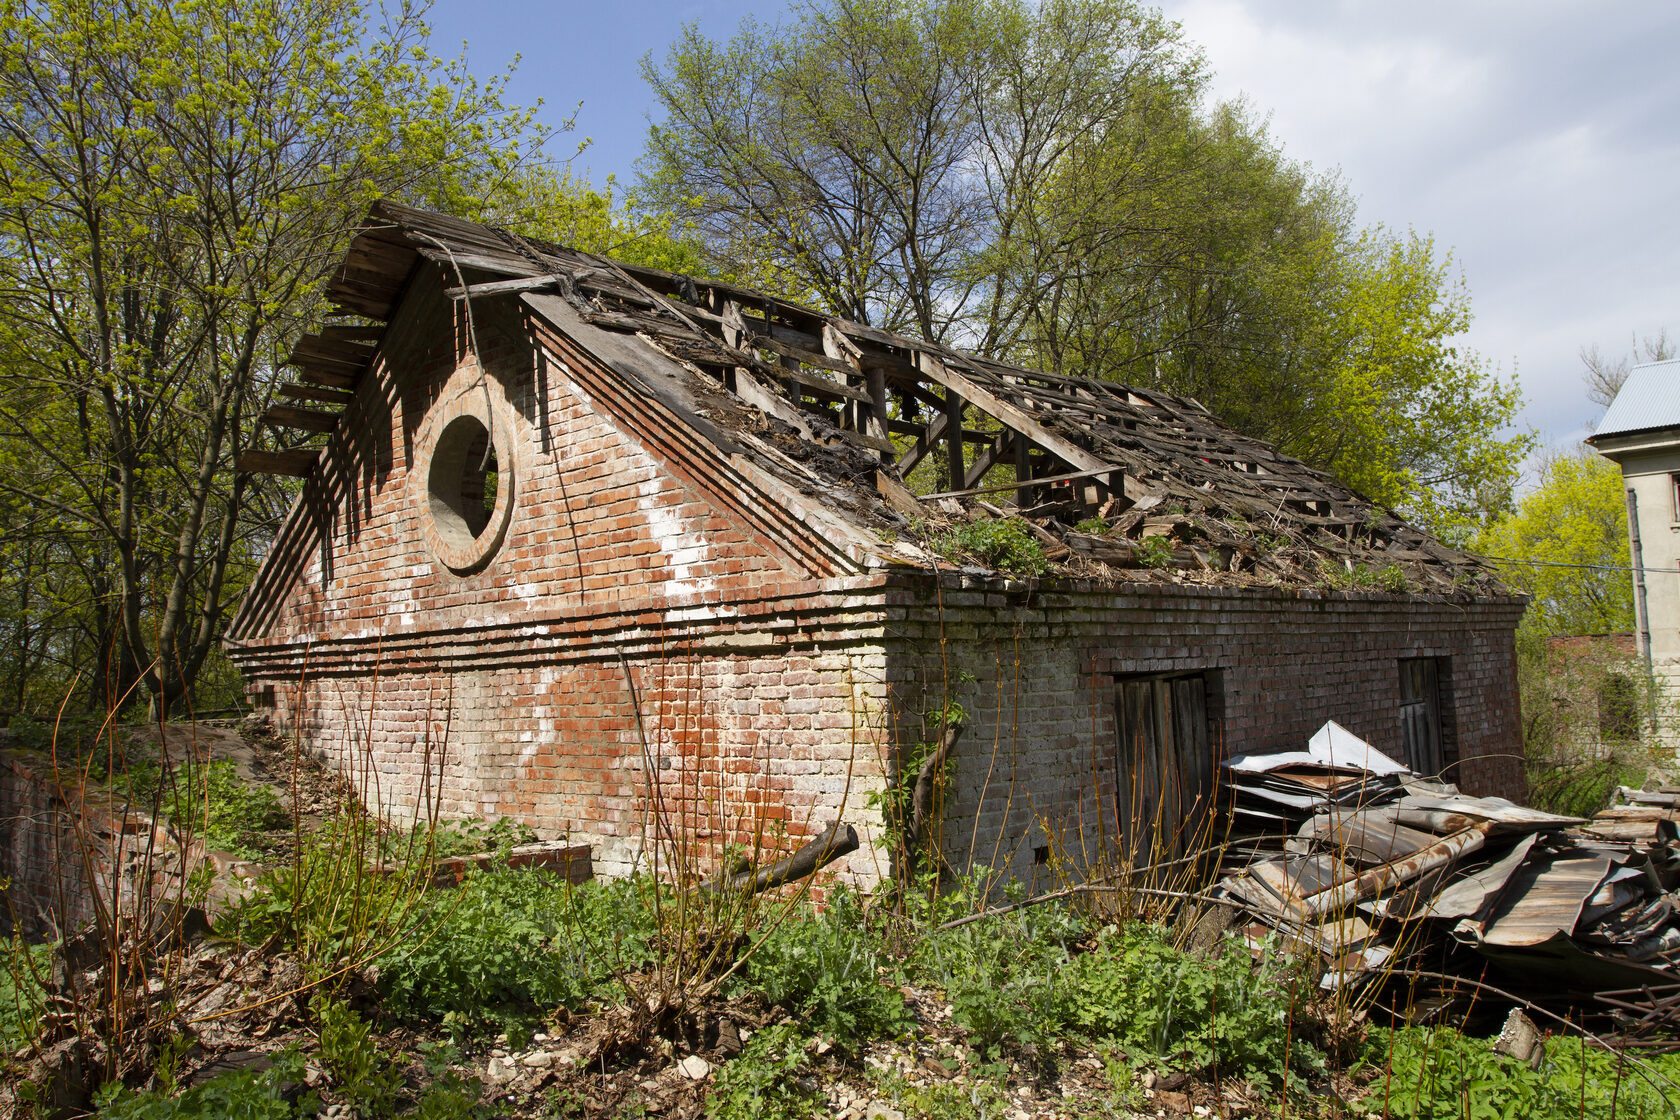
x=1343, y=852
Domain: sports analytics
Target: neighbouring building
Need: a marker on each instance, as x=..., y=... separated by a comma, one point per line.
x=1640, y=432
x=664, y=564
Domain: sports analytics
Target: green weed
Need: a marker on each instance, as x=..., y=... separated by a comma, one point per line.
x=362, y=1075
x=509, y=944
x=1441, y=1074
x=1222, y=1012
x=21, y=995
x=1003, y=976
x=334, y=906
x=825, y=967
x=763, y=1083
x=268, y=1094
x=1154, y=552
x=223, y=810
x=972, y=1098
x=1005, y=544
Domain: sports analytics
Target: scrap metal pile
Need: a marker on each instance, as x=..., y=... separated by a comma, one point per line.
x=1384, y=873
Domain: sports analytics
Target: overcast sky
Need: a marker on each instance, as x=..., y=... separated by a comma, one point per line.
x=1538, y=141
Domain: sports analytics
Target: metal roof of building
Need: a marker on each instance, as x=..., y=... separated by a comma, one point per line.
x=1648, y=400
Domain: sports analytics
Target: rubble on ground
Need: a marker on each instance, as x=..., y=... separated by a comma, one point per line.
x=1384, y=874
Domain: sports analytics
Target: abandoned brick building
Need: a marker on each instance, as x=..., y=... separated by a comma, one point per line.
x=618, y=552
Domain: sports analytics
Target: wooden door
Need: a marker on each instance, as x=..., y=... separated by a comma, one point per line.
x=1165, y=765
x=1420, y=715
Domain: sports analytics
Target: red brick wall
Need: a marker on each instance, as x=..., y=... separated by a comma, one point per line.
x=641, y=572
x=629, y=555
x=1036, y=763
x=60, y=842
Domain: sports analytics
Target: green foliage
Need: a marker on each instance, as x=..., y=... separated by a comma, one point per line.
x=177, y=181
x=1022, y=978
x=1096, y=526
x=824, y=968
x=509, y=944
x=973, y=1098
x=1005, y=544
x=361, y=1074
x=762, y=1083
x=336, y=906
x=1581, y=789
x=22, y=996
x=1440, y=1074
x=1049, y=183
x=249, y=1095
x=208, y=799
x=473, y=835
x=1154, y=552
x=1566, y=545
x=1003, y=976
x=1138, y=990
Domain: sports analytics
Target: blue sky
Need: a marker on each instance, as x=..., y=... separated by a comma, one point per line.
x=1536, y=139
x=589, y=52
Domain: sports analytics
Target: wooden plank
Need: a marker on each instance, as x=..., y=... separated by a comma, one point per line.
x=345, y=333
x=956, y=468
x=295, y=464
x=799, y=353
x=306, y=419
x=314, y=348
x=926, y=440
x=873, y=442
x=911, y=428
x=955, y=382
x=501, y=287
x=1020, y=484
x=332, y=378
x=823, y=384
x=989, y=457
x=316, y=394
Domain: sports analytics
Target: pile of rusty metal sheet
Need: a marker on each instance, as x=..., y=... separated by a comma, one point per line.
x=1375, y=868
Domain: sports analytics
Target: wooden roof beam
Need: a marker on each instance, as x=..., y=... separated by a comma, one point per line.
x=292, y=464
x=316, y=394
x=305, y=419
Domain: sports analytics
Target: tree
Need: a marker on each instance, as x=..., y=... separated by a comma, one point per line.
x=1605, y=375
x=1566, y=545
x=1042, y=183
x=176, y=180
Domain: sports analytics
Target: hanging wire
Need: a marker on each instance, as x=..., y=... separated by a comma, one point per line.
x=1591, y=567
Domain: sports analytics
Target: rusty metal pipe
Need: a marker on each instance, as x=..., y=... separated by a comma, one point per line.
x=1370, y=884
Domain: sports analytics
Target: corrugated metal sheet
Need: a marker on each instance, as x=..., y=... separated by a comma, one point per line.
x=1648, y=400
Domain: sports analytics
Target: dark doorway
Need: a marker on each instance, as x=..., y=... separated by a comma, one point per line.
x=1165, y=761
x=1420, y=715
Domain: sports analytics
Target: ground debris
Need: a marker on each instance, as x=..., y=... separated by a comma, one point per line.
x=1351, y=858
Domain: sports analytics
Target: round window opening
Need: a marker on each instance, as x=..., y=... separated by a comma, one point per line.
x=466, y=492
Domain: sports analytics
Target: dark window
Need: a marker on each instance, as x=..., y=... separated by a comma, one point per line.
x=1420, y=714
x=1618, y=708
x=1165, y=762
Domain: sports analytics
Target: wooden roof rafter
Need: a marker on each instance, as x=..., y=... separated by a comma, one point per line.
x=1091, y=444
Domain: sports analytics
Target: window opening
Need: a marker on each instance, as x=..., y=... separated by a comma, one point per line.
x=1618, y=708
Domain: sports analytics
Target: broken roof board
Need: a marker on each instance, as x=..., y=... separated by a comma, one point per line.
x=842, y=381
x=1333, y=745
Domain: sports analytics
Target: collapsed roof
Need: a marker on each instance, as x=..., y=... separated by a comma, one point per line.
x=1383, y=872
x=875, y=417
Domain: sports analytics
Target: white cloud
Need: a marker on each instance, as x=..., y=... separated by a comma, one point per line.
x=1535, y=140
